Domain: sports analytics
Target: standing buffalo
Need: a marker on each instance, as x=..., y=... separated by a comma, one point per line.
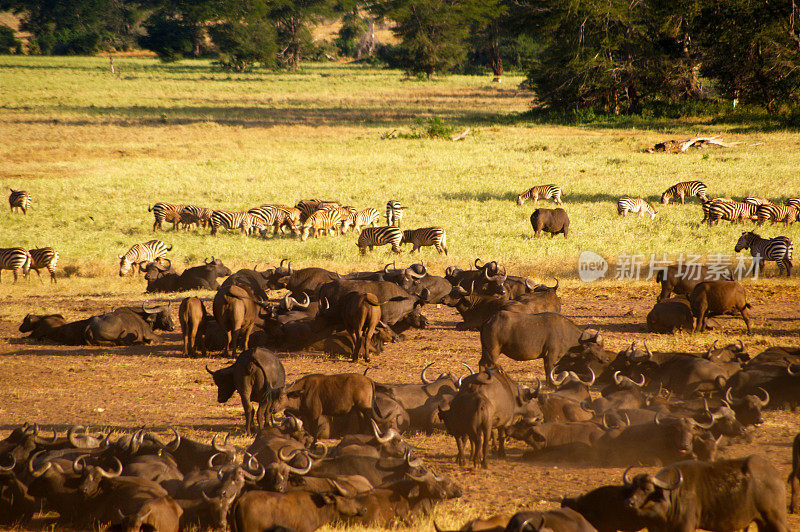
x=553, y=221
x=258, y=376
x=235, y=311
x=712, y=298
x=530, y=336
x=682, y=279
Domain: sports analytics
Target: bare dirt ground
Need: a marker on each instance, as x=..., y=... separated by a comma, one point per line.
x=127, y=387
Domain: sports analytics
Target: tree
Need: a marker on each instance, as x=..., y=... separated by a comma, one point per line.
x=246, y=36
x=8, y=43
x=434, y=32
x=292, y=19
x=169, y=37
x=752, y=49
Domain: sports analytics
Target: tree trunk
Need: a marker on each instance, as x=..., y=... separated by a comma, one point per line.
x=497, y=61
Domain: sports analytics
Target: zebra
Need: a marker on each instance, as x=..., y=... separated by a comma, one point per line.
x=757, y=201
x=626, y=205
x=777, y=213
x=426, y=236
x=778, y=249
x=169, y=212
x=139, y=253
x=730, y=210
x=268, y=215
x=706, y=205
x=309, y=206
x=194, y=215
x=380, y=236
x=287, y=217
x=19, y=200
x=231, y=220
x=322, y=220
x=394, y=213
x=795, y=202
x=44, y=258
x=686, y=188
x=357, y=220
x=16, y=259
x=541, y=191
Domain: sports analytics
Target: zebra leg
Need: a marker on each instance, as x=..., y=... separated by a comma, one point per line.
x=16, y=273
x=52, y=274
x=39, y=275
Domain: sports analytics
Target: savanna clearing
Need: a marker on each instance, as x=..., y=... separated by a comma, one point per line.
x=96, y=149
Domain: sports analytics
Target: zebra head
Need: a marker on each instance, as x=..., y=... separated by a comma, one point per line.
x=124, y=265
x=744, y=241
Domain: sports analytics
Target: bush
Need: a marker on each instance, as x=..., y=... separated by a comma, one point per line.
x=241, y=45
x=8, y=43
x=169, y=38
x=350, y=34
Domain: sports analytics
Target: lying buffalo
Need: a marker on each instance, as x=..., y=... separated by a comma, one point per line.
x=127, y=326
x=258, y=376
x=553, y=221
x=55, y=328
x=670, y=315
x=162, y=278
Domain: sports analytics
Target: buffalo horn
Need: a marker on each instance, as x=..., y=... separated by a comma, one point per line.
x=287, y=302
x=322, y=453
x=11, y=467
x=741, y=346
x=792, y=372
x=422, y=375
x=208, y=370
x=40, y=471
x=211, y=459
x=112, y=474
x=591, y=381
x=702, y=425
x=478, y=266
x=306, y=302
x=617, y=378
x=625, y=479
x=301, y=471
x=290, y=268
x=176, y=441
x=765, y=401
x=343, y=492
x=647, y=349
x=730, y=398
x=224, y=447
x=712, y=347
x=663, y=485
x=558, y=380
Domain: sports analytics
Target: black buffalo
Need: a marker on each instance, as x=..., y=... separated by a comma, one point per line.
x=127, y=326
x=553, y=221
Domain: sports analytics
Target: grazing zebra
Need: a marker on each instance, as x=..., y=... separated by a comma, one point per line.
x=706, y=205
x=139, y=253
x=44, y=258
x=380, y=236
x=287, y=217
x=777, y=213
x=794, y=202
x=394, y=213
x=168, y=212
x=626, y=205
x=309, y=206
x=757, y=201
x=268, y=216
x=731, y=211
x=778, y=249
x=541, y=191
x=19, y=200
x=357, y=220
x=322, y=220
x=684, y=189
x=194, y=215
x=16, y=259
x=231, y=221
x=426, y=236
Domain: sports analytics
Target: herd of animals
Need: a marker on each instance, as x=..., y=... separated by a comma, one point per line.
x=610, y=409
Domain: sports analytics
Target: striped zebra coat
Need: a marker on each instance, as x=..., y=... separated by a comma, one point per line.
x=683, y=190
x=140, y=253
x=323, y=220
x=626, y=205
x=307, y=207
x=166, y=212
x=777, y=213
x=288, y=217
x=233, y=220
x=268, y=216
x=426, y=236
x=194, y=215
x=19, y=200
x=706, y=205
x=757, y=201
x=778, y=249
x=793, y=202
x=541, y=191
x=394, y=213
x=16, y=259
x=44, y=258
x=360, y=219
x=380, y=236
x=731, y=211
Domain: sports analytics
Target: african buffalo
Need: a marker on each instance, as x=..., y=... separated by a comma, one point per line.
x=258, y=376
x=605, y=508
x=670, y=315
x=713, y=298
x=126, y=326
x=553, y=221
x=236, y=312
x=682, y=279
x=361, y=314
x=470, y=416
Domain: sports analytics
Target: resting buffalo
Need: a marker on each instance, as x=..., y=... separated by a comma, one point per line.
x=713, y=298
x=553, y=221
x=126, y=326
x=606, y=510
x=306, y=280
x=670, y=315
x=530, y=336
x=722, y=495
x=682, y=279
x=258, y=376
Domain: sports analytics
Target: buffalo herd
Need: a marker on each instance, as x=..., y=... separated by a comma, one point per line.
x=630, y=408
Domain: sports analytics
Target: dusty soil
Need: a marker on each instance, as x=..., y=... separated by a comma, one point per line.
x=127, y=387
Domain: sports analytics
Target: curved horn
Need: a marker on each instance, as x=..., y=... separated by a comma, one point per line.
x=40, y=439
x=538, y=387
x=591, y=381
x=625, y=479
x=217, y=447
x=306, y=302
x=322, y=454
x=562, y=376
x=477, y=266
x=287, y=301
x=413, y=462
x=617, y=378
x=36, y=473
x=162, y=267
x=324, y=305
x=288, y=456
x=73, y=440
x=112, y=474
x=416, y=275
x=211, y=458
x=208, y=370
x=712, y=347
x=471, y=371
x=11, y=467
x=149, y=311
x=792, y=372
x=657, y=419
x=730, y=398
x=422, y=375
x=386, y=268
x=701, y=425
x=530, y=285
x=290, y=268
x=641, y=382
x=647, y=349
x=383, y=438
x=304, y=470
x=343, y=492
x=663, y=485
x=741, y=346
x=765, y=401
x=258, y=468
x=176, y=441
x=556, y=286
x=630, y=351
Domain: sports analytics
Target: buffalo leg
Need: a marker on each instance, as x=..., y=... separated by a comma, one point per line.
x=460, y=443
x=487, y=435
x=501, y=442
x=261, y=417
x=244, y=393
x=794, y=501
x=746, y=318
x=475, y=447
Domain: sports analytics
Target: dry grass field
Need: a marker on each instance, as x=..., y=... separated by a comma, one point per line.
x=97, y=149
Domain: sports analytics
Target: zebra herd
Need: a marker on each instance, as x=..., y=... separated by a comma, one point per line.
x=21, y=260
x=309, y=217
